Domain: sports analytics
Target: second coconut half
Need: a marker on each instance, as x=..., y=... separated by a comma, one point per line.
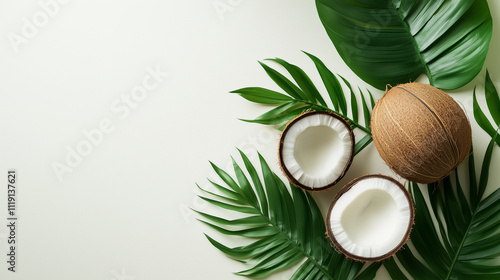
x=316, y=150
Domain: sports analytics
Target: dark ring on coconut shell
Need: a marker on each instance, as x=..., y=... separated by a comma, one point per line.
x=287, y=173
x=396, y=248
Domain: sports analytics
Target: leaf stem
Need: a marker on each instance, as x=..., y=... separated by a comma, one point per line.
x=466, y=233
x=486, y=164
x=416, y=46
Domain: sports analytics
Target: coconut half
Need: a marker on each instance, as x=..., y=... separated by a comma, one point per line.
x=370, y=219
x=316, y=150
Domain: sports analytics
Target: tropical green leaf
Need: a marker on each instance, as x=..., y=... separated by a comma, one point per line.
x=284, y=83
x=480, y=117
x=394, y=41
x=302, y=80
x=366, y=110
x=354, y=103
x=332, y=85
x=283, y=225
x=493, y=103
x=459, y=247
x=361, y=144
x=262, y=95
x=492, y=99
x=301, y=95
x=280, y=114
x=372, y=101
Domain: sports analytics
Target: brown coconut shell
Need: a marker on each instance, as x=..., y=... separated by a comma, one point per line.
x=420, y=132
x=285, y=170
x=403, y=241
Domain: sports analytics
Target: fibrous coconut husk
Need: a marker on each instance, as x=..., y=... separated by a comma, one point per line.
x=420, y=132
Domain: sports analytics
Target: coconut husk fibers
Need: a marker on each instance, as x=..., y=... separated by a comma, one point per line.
x=420, y=132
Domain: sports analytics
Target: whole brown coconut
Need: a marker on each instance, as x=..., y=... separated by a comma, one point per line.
x=420, y=132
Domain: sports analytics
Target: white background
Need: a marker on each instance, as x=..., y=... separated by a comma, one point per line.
x=123, y=210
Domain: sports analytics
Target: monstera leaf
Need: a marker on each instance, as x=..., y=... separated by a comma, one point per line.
x=394, y=41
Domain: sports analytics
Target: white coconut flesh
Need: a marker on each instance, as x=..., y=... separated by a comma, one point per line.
x=316, y=149
x=371, y=219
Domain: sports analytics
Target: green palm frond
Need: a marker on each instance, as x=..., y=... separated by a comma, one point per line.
x=457, y=237
x=493, y=103
x=465, y=243
x=394, y=41
x=284, y=227
x=301, y=95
